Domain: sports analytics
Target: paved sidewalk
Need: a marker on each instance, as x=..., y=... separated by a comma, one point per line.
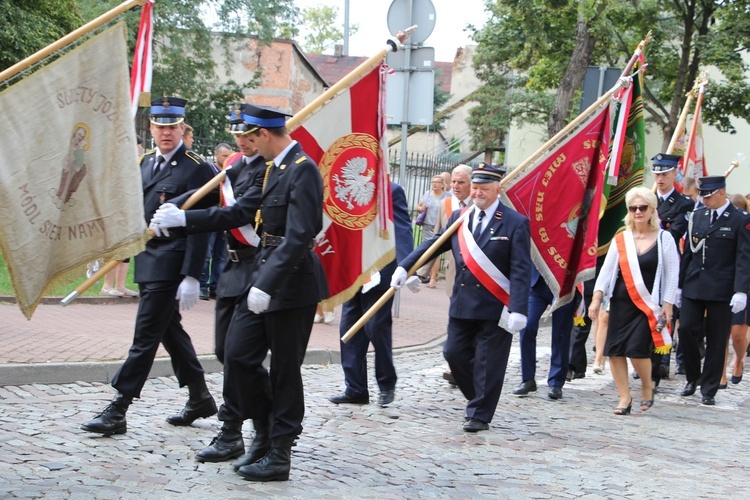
x=87, y=340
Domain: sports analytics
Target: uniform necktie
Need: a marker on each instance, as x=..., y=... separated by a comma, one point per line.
x=478, y=228
x=157, y=166
x=461, y=204
x=714, y=216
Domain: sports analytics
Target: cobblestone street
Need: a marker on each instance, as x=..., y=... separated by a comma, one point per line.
x=535, y=448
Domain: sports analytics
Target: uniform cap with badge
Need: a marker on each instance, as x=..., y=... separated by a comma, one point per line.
x=239, y=120
x=486, y=172
x=263, y=117
x=166, y=111
x=708, y=185
x=664, y=162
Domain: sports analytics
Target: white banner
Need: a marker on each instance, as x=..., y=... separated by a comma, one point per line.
x=70, y=186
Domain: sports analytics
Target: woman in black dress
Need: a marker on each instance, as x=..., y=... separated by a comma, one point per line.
x=639, y=274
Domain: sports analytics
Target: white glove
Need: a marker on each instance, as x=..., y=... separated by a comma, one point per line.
x=678, y=298
x=258, y=300
x=399, y=277
x=167, y=216
x=738, y=302
x=413, y=284
x=516, y=322
x=372, y=282
x=187, y=293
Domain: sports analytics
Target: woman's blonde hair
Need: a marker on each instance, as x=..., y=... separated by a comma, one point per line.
x=650, y=198
x=739, y=201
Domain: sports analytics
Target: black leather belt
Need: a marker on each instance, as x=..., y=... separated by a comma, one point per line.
x=236, y=255
x=269, y=240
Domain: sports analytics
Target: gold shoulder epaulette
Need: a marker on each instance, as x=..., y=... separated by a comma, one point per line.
x=300, y=160
x=194, y=156
x=149, y=152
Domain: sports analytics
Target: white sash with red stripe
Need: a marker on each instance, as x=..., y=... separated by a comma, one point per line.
x=483, y=269
x=638, y=292
x=245, y=234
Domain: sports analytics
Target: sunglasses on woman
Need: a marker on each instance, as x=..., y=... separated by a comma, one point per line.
x=640, y=208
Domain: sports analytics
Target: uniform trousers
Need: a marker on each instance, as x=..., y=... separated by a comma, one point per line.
x=379, y=332
x=477, y=352
x=250, y=391
x=225, y=311
x=562, y=323
x=157, y=321
x=579, y=335
x=716, y=331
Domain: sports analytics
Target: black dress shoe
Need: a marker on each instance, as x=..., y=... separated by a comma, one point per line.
x=344, y=398
x=204, y=295
x=112, y=420
x=555, y=393
x=572, y=375
x=708, y=400
x=525, y=387
x=386, y=397
x=689, y=389
x=194, y=409
x=474, y=425
x=228, y=444
x=449, y=377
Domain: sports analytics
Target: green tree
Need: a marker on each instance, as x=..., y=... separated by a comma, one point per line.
x=31, y=25
x=183, y=65
x=321, y=31
x=534, y=47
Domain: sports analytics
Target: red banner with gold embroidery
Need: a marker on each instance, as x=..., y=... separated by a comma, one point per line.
x=562, y=197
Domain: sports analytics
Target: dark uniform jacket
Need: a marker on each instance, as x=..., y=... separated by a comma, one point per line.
x=174, y=257
x=292, y=207
x=235, y=277
x=673, y=214
x=507, y=243
x=726, y=266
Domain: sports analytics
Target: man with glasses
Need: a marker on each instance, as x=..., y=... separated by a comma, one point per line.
x=715, y=279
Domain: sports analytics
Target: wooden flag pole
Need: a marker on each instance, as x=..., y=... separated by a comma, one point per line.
x=69, y=38
x=392, y=45
x=427, y=255
x=580, y=118
x=111, y=264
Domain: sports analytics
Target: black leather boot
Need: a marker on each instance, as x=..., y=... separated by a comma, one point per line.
x=200, y=405
x=227, y=444
x=112, y=419
x=275, y=465
x=261, y=443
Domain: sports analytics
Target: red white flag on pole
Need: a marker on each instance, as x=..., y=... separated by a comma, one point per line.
x=694, y=161
x=562, y=197
x=140, y=75
x=345, y=138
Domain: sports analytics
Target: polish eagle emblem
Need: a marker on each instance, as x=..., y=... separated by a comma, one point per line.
x=355, y=185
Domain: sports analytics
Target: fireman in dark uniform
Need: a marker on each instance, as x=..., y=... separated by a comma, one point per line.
x=167, y=273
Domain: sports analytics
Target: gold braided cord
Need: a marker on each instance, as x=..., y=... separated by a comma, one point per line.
x=258, y=216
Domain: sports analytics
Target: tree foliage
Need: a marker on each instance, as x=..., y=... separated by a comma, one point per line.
x=526, y=48
x=31, y=25
x=184, y=65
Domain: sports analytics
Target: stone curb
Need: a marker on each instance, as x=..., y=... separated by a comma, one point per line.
x=103, y=371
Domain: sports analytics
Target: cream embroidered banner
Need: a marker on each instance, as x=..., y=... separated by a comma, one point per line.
x=70, y=186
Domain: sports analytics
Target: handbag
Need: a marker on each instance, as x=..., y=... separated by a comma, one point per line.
x=420, y=218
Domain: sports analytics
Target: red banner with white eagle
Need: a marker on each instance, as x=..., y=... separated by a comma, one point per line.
x=346, y=139
x=562, y=197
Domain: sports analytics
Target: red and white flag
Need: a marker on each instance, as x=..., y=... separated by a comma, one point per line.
x=562, y=197
x=346, y=139
x=140, y=74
